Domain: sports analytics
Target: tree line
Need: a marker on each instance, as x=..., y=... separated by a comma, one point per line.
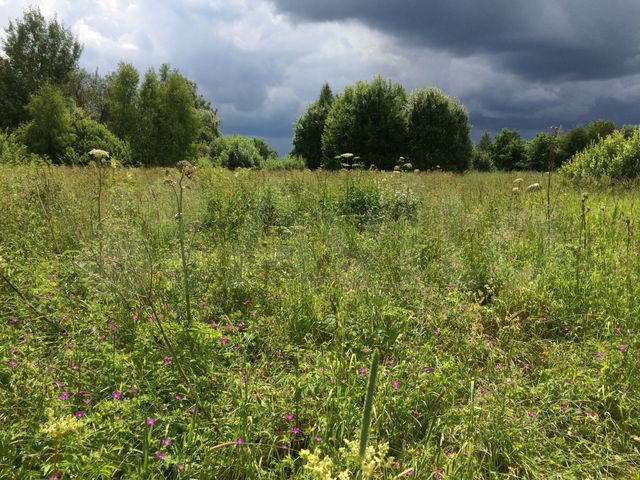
x=56, y=109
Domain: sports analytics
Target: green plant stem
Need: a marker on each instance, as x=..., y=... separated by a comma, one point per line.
x=368, y=404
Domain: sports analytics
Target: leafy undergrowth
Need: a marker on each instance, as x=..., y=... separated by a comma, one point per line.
x=508, y=343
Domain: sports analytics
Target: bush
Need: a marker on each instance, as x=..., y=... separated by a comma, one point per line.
x=12, y=152
x=235, y=152
x=614, y=157
x=88, y=134
x=292, y=162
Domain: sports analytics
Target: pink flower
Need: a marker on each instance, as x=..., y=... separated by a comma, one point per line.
x=396, y=386
x=498, y=366
x=622, y=348
x=295, y=431
x=224, y=340
x=532, y=414
x=80, y=414
x=161, y=455
x=151, y=422
x=290, y=417
x=64, y=396
x=439, y=474
x=13, y=363
x=180, y=467
x=436, y=332
x=167, y=442
x=363, y=371
x=318, y=439
x=240, y=441
x=179, y=398
x=117, y=394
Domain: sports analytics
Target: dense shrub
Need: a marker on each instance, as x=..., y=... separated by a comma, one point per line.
x=12, y=152
x=291, y=162
x=88, y=134
x=614, y=157
x=235, y=152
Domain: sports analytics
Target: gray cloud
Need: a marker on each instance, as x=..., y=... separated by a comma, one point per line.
x=542, y=40
x=513, y=63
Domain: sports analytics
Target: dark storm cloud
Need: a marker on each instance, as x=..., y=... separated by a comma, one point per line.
x=541, y=40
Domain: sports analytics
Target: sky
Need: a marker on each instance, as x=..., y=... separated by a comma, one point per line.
x=515, y=64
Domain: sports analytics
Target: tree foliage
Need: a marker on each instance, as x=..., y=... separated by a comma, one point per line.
x=614, y=157
x=307, y=137
x=368, y=120
x=38, y=52
x=509, y=151
x=122, y=101
x=49, y=131
x=235, y=151
x=438, y=131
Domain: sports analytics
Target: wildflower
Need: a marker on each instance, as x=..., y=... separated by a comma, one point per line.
x=117, y=394
x=13, y=363
x=426, y=369
x=64, y=396
x=180, y=467
x=409, y=473
x=167, y=361
x=79, y=414
x=161, y=455
x=498, y=366
x=439, y=474
x=240, y=441
x=59, y=384
x=98, y=154
x=151, y=422
x=622, y=348
x=318, y=439
x=565, y=408
x=363, y=371
x=436, y=332
x=532, y=414
x=598, y=355
x=392, y=362
x=224, y=340
x=179, y=398
x=290, y=417
x=167, y=442
x=295, y=431
x=396, y=386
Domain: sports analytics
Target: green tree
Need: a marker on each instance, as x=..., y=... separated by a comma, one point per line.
x=600, y=129
x=90, y=92
x=37, y=52
x=576, y=140
x=481, y=160
x=49, y=131
x=509, y=151
x=234, y=152
x=178, y=122
x=265, y=150
x=88, y=134
x=145, y=149
x=368, y=120
x=542, y=150
x=122, y=101
x=307, y=137
x=438, y=131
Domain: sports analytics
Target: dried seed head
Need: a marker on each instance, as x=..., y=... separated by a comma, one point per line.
x=186, y=168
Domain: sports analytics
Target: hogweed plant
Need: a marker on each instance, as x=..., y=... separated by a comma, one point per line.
x=187, y=172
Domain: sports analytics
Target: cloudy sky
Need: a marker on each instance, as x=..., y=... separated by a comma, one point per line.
x=513, y=63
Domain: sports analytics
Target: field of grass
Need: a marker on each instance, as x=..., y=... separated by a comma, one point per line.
x=508, y=340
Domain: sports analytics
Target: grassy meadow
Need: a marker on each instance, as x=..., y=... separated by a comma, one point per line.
x=507, y=331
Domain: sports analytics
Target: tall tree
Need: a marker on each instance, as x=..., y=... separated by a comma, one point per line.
x=37, y=52
x=49, y=131
x=369, y=121
x=438, y=131
x=509, y=151
x=122, y=116
x=307, y=137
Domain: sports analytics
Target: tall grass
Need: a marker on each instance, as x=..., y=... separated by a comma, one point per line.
x=509, y=349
